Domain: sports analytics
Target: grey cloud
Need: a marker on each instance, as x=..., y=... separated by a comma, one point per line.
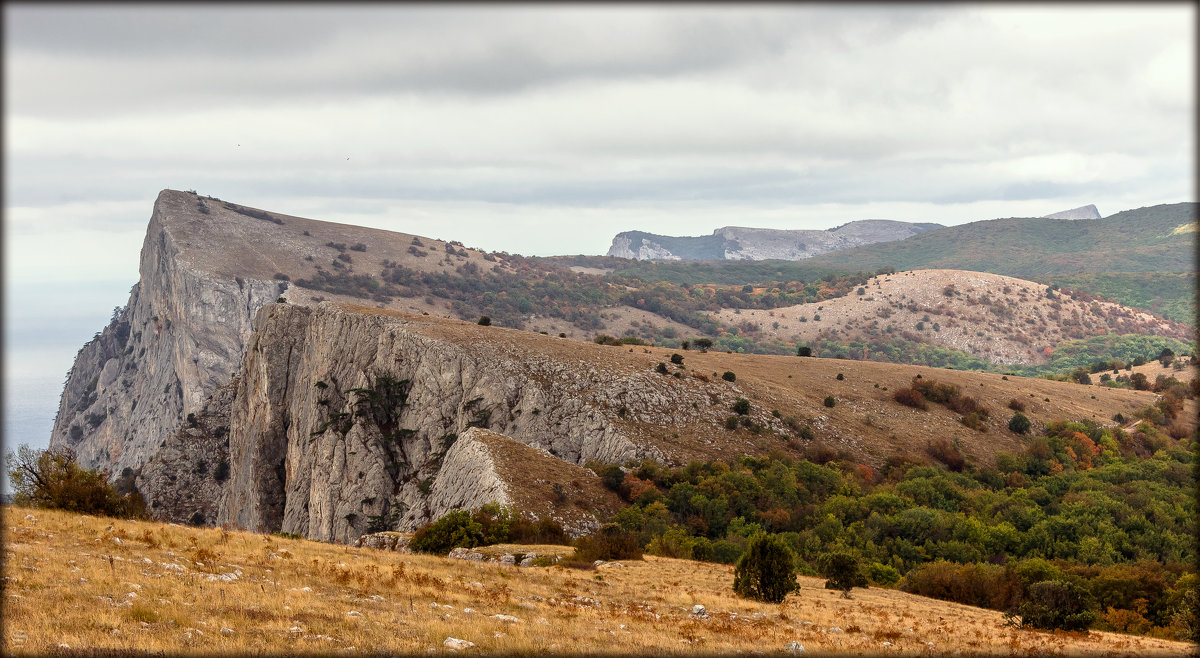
x=190, y=56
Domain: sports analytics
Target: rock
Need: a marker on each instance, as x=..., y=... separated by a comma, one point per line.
x=507, y=619
x=226, y=631
x=835, y=629
x=457, y=644
x=354, y=613
x=699, y=611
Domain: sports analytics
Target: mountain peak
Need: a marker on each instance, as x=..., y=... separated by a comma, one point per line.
x=1082, y=212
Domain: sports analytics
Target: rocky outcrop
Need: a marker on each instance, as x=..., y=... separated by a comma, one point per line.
x=1083, y=212
x=345, y=418
x=178, y=339
x=738, y=243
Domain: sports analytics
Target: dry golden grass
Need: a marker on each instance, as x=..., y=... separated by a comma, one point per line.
x=69, y=581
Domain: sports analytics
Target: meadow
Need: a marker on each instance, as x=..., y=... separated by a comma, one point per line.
x=77, y=584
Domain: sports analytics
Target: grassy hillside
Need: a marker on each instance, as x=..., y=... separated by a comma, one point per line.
x=81, y=584
x=1153, y=239
x=1169, y=294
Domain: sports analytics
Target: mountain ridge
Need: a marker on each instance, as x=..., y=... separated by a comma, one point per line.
x=238, y=385
x=746, y=243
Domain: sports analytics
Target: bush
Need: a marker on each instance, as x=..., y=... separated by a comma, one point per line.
x=882, y=574
x=729, y=376
x=1016, y=405
x=910, y=397
x=661, y=368
x=829, y=401
x=52, y=479
x=484, y=321
x=945, y=452
x=741, y=407
x=1054, y=604
x=803, y=350
x=677, y=359
x=1019, y=424
x=454, y=530
x=843, y=571
x=610, y=542
x=766, y=571
x=731, y=423
x=840, y=376
x=726, y=552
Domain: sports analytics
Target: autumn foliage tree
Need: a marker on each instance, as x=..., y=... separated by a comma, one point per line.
x=52, y=479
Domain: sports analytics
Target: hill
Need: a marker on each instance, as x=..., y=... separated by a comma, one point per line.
x=1153, y=239
x=90, y=584
x=286, y=374
x=740, y=243
x=996, y=319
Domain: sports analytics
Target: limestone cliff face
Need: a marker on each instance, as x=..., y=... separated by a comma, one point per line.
x=740, y=243
x=344, y=415
x=178, y=339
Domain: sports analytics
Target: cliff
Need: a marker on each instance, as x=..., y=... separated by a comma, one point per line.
x=1083, y=212
x=738, y=243
x=235, y=397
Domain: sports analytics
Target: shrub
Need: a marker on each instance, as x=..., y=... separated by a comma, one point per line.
x=882, y=574
x=484, y=321
x=1056, y=604
x=726, y=552
x=766, y=571
x=358, y=247
x=910, y=397
x=731, y=423
x=610, y=542
x=677, y=359
x=829, y=401
x=52, y=479
x=1019, y=424
x=741, y=407
x=1016, y=405
x=703, y=343
x=945, y=452
x=661, y=368
x=804, y=350
x=729, y=376
x=221, y=472
x=454, y=530
x=840, y=376
x=843, y=571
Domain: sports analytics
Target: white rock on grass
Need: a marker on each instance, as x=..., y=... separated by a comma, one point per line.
x=226, y=631
x=456, y=644
x=793, y=647
x=507, y=618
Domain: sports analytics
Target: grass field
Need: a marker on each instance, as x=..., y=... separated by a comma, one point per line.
x=81, y=584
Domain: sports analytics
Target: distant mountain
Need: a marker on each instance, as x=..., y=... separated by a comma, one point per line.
x=1153, y=239
x=1082, y=212
x=740, y=243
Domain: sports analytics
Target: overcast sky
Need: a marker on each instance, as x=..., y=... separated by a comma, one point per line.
x=546, y=129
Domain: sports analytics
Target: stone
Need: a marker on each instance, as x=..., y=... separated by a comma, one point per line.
x=226, y=631
x=507, y=619
x=457, y=644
